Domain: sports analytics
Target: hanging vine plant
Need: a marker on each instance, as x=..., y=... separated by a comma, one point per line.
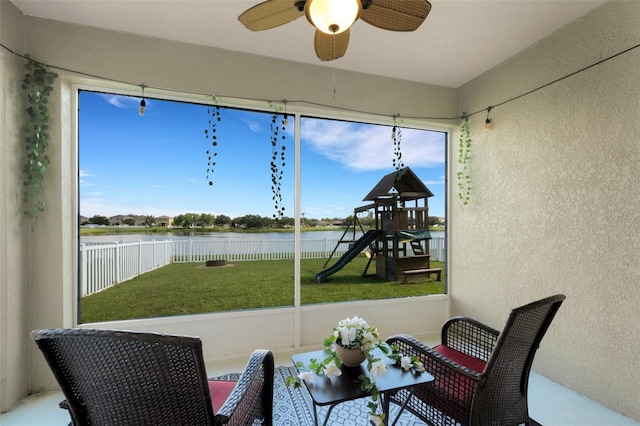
x=38, y=83
x=396, y=136
x=278, y=157
x=210, y=134
x=464, y=149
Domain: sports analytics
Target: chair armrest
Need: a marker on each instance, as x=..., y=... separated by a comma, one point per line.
x=64, y=404
x=252, y=396
x=434, y=363
x=470, y=337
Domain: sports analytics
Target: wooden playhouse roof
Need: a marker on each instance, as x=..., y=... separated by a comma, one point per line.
x=404, y=181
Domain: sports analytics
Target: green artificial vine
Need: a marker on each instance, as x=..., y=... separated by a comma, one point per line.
x=278, y=149
x=38, y=82
x=396, y=136
x=213, y=111
x=464, y=182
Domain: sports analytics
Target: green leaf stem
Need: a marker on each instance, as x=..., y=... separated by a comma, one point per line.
x=210, y=135
x=38, y=84
x=464, y=150
x=278, y=158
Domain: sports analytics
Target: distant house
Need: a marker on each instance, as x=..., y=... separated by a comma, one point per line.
x=124, y=220
x=140, y=220
x=116, y=220
x=164, y=221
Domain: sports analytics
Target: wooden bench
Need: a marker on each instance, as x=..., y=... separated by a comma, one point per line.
x=418, y=272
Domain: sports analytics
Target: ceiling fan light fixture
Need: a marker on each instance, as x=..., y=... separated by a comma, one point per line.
x=332, y=16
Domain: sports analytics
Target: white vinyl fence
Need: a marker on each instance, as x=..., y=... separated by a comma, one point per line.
x=105, y=265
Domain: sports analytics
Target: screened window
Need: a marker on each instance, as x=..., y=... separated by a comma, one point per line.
x=190, y=208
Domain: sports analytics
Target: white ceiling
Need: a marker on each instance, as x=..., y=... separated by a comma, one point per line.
x=459, y=40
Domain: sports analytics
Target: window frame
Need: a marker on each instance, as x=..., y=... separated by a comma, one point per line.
x=294, y=111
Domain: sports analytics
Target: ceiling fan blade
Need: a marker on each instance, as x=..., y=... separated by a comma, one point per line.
x=271, y=14
x=396, y=15
x=331, y=46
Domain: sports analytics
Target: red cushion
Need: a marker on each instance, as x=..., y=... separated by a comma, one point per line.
x=453, y=392
x=461, y=358
x=220, y=391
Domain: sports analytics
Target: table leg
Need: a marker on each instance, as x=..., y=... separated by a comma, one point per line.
x=315, y=415
x=385, y=406
x=326, y=419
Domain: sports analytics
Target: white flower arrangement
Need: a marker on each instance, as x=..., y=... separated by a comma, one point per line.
x=356, y=333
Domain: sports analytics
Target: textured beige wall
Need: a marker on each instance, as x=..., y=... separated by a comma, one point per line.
x=14, y=228
x=196, y=69
x=556, y=200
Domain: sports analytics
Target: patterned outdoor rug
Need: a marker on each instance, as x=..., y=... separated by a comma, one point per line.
x=292, y=407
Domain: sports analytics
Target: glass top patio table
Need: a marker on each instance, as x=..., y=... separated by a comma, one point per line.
x=346, y=387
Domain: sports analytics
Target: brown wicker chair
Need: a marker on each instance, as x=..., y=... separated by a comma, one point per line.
x=130, y=378
x=481, y=375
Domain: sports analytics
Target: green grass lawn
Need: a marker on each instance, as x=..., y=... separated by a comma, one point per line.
x=190, y=288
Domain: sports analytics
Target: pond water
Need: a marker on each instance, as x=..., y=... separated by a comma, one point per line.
x=246, y=236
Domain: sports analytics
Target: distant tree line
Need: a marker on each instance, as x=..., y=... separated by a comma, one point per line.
x=128, y=220
x=206, y=220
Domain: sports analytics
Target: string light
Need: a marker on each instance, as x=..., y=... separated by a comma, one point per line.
x=487, y=123
x=285, y=120
x=394, y=130
x=306, y=102
x=143, y=104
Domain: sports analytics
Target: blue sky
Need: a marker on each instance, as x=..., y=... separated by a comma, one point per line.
x=156, y=164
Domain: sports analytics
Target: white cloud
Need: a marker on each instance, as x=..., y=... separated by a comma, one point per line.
x=125, y=102
x=83, y=174
x=91, y=206
x=327, y=210
x=253, y=125
x=369, y=147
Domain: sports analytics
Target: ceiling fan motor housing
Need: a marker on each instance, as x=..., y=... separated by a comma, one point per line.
x=332, y=16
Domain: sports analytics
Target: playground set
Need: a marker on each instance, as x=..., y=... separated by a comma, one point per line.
x=399, y=243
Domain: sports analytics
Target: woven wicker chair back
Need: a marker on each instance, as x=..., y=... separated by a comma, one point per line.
x=127, y=378
x=501, y=397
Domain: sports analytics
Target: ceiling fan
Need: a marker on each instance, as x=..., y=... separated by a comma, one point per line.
x=333, y=18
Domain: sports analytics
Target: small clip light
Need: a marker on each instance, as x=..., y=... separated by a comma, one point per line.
x=487, y=123
x=143, y=104
x=395, y=127
x=285, y=120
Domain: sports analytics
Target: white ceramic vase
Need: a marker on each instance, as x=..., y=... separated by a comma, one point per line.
x=350, y=357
